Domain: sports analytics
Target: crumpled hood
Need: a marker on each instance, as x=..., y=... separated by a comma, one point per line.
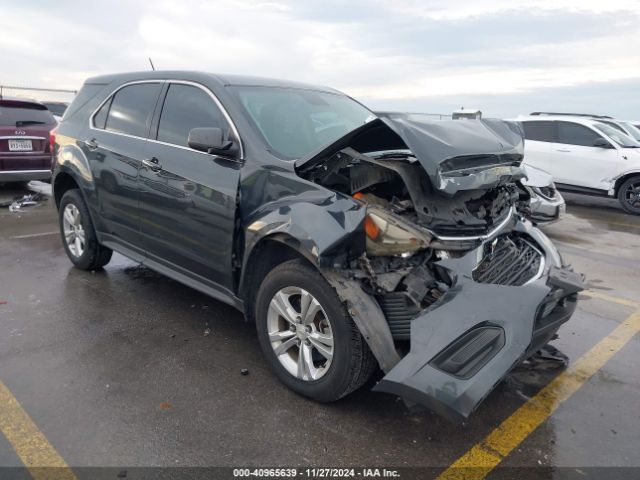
x=456, y=154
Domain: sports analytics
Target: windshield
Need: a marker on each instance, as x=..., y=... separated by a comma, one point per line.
x=616, y=135
x=632, y=131
x=22, y=116
x=296, y=122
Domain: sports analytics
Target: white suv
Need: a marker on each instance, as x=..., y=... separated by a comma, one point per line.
x=585, y=154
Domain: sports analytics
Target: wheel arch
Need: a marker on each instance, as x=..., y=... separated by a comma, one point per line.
x=63, y=182
x=269, y=252
x=623, y=179
x=65, y=179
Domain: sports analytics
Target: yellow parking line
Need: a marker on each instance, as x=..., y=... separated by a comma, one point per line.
x=488, y=453
x=29, y=443
x=632, y=225
x=609, y=298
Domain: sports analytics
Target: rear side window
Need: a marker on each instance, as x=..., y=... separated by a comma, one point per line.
x=539, y=131
x=132, y=108
x=186, y=107
x=19, y=114
x=574, y=134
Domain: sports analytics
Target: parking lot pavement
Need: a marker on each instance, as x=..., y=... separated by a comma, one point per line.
x=115, y=368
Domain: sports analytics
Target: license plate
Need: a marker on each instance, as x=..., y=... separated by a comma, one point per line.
x=20, y=145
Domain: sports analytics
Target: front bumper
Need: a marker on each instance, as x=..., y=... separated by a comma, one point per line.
x=462, y=346
x=545, y=211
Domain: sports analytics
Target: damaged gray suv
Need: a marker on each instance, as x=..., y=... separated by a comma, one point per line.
x=355, y=242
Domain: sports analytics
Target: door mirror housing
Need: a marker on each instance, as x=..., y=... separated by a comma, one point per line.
x=601, y=143
x=211, y=140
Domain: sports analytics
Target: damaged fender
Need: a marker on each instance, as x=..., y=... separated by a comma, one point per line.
x=319, y=226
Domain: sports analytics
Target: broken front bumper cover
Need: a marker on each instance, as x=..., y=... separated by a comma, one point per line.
x=493, y=327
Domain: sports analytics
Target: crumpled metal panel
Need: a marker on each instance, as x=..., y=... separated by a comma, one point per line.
x=434, y=142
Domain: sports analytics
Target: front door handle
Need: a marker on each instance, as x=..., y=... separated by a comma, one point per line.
x=564, y=150
x=152, y=164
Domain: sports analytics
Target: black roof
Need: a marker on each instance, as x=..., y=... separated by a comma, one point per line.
x=221, y=79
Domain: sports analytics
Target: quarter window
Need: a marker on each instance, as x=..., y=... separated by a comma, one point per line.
x=574, y=134
x=539, y=131
x=132, y=108
x=100, y=118
x=186, y=107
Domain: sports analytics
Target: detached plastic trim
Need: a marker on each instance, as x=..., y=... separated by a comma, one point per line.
x=470, y=352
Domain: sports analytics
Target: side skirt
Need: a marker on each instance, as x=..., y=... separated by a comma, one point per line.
x=594, y=192
x=175, y=273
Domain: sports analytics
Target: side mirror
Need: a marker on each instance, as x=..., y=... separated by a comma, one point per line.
x=211, y=140
x=601, y=143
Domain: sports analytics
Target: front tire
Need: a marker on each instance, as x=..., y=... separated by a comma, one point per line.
x=78, y=235
x=306, y=335
x=629, y=195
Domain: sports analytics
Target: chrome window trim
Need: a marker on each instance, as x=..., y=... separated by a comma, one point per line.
x=215, y=99
x=116, y=90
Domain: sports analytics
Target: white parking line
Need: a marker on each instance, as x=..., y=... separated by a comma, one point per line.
x=34, y=235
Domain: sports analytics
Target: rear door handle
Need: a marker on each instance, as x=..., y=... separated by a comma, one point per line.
x=152, y=164
x=563, y=150
x=92, y=144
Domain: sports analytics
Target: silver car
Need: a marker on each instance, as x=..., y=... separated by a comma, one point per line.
x=547, y=204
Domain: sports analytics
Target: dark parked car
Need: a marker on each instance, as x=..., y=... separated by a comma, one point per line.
x=25, y=150
x=57, y=108
x=353, y=242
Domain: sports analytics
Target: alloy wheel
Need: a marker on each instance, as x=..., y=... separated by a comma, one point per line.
x=74, y=234
x=300, y=333
x=632, y=195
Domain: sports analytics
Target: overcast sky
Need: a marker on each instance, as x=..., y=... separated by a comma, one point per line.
x=505, y=57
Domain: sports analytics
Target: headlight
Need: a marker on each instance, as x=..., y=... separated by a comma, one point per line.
x=388, y=234
x=548, y=192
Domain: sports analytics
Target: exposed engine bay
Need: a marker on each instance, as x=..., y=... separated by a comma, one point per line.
x=397, y=183
x=401, y=275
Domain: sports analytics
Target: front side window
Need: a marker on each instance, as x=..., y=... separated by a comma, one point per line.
x=574, y=134
x=539, y=131
x=132, y=108
x=186, y=107
x=296, y=122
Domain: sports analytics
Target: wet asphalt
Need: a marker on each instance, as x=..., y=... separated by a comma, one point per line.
x=126, y=367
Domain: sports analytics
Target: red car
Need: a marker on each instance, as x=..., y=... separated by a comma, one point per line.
x=25, y=147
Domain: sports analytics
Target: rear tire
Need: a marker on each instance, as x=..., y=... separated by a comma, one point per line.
x=629, y=195
x=330, y=330
x=78, y=235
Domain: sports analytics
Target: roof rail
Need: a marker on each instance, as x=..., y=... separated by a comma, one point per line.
x=592, y=115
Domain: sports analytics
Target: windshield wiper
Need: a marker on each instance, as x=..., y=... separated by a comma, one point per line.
x=22, y=123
